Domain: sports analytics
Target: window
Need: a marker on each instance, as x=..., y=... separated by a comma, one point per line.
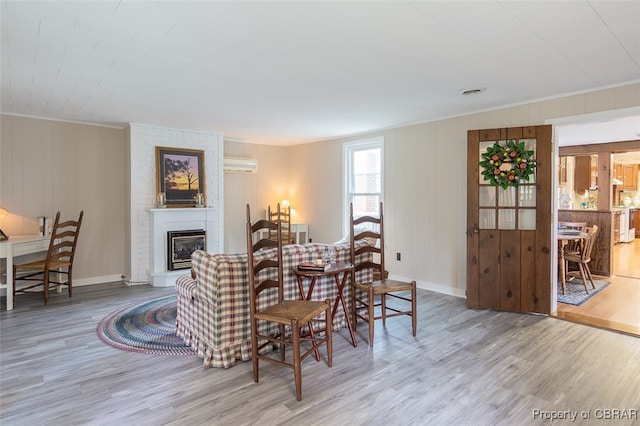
x=511, y=207
x=363, y=176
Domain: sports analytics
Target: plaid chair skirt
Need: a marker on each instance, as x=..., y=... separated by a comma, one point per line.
x=213, y=308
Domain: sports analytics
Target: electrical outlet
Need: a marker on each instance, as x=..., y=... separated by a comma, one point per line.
x=398, y=256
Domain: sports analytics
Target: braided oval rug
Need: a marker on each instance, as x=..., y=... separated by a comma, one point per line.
x=146, y=326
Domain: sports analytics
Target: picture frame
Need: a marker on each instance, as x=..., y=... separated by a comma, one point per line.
x=180, y=175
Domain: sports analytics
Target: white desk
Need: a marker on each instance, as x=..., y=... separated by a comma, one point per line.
x=19, y=245
x=300, y=232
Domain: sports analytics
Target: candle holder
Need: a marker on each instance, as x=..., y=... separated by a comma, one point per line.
x=199, y=197
x=161, y=200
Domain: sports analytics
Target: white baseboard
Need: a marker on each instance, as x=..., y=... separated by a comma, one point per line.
x=438, y=288
x=79, y=282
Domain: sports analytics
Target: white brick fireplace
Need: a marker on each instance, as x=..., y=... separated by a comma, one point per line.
x=146, y=250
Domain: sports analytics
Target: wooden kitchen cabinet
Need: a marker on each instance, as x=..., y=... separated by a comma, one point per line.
x=616, y=227
x=582, y=172
x=630, y=176
x=618, y=172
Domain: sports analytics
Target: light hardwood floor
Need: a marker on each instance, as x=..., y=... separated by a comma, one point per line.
x=626, y=259
x=465, y=367
x=617, y=307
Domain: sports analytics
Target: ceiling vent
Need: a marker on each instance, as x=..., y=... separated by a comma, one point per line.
x=474, y=91
x=240, y=165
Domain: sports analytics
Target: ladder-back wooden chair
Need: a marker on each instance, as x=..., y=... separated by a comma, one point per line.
x=576, y=245
x=364, y=303
x=50, y=272
x=274, y=320
x=573, y=246
x=583, y=257
x=285, y=218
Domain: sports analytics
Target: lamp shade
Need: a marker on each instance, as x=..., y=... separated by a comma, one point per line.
x=3, y=213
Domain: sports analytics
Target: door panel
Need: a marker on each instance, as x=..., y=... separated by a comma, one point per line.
x=489, y=269
x=509, y=230
x=510, y=267
x=528, y=272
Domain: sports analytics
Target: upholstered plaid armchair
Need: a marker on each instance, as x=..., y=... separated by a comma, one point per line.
x=213, y=307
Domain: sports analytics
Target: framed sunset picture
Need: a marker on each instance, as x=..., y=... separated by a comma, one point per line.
x=180, y=175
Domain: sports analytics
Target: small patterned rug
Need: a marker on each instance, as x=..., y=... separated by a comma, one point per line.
x=146, y=326
x=575, y=291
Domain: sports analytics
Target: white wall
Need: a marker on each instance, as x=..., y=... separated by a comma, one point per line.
x=142, y=186
x=271, y=184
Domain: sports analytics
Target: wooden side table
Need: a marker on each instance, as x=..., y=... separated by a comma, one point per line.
x=341, y=272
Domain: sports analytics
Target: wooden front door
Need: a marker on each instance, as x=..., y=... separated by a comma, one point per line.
x=509, y=230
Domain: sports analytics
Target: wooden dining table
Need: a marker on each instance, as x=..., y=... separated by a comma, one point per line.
x=564, y=237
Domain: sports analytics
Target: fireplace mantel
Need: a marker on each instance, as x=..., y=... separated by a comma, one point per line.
x=164, y=220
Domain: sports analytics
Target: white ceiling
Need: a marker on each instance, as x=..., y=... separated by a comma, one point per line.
x=611, y=126
x=624, y=128
x=293, y=72
x=627, y=158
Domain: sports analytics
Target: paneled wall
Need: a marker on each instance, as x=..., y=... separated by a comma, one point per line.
x=601, y=255
x=424, y=184
x=425, y=178
x=273, y=183
x=46, y=166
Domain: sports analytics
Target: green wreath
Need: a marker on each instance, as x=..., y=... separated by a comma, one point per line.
x=505, y=165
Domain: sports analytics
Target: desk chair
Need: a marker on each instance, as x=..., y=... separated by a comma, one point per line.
x=59, y=260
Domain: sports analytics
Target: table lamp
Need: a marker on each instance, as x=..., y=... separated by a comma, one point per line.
x=3, y=213
x=286, y=204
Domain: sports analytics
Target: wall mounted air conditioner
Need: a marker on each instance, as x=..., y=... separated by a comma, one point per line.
x=240, y=165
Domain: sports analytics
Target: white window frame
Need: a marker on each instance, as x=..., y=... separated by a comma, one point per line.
x=348, y=150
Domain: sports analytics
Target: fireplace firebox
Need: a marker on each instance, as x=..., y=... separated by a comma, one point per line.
x=180, y=245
